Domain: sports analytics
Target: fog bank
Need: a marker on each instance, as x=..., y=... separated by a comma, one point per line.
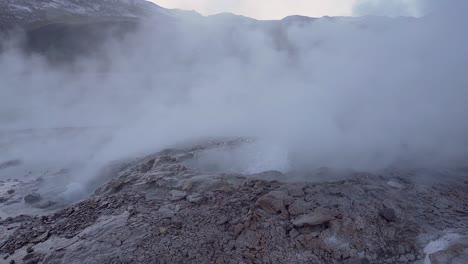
x=363, y=93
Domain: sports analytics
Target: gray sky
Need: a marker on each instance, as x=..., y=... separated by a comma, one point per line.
x=277, y=9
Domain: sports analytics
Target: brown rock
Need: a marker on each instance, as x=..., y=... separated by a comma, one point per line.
x=275, y=202
x=295, y=190
x=299, y=207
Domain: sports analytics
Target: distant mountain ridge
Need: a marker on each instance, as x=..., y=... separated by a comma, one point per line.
x=27, y=13
x=30, y=13
x=66, y=29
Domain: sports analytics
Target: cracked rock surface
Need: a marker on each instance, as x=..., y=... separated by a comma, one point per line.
x=160, y=210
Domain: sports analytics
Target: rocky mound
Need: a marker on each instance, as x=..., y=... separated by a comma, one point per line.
x=159, y=210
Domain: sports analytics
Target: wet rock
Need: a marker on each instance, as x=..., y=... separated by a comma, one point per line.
x=204, y=183
x=44, y=204
x=389, y=214
x=29, y=250
x=269, y=175
x=187, y=186
x=41, y=238
x=317, y=217
x=411, y=257
x=183, y=156
x=455, y=254
x=194, y=198
x=395, y=184
x=10, y=163
x=191, y=218
x=177, y=195
x=33, y=257
x=166, y=211
x=32, y=198
x=147, y=166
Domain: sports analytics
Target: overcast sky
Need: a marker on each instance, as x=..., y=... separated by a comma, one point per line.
x=277, y=9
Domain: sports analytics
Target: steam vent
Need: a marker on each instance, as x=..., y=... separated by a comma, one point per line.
x=134, y=133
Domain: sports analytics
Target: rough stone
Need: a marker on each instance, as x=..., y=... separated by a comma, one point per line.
x=32, y=198
x=275, y=202
x=318, y=217
x=177, y=195
x=395, y=184
x=389, y=214
x=454, y=254
x=195, y=198
x=299, y=207
x=295, y=190
x=226, y=218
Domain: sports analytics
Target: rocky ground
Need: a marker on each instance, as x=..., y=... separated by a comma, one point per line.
x=160, y=209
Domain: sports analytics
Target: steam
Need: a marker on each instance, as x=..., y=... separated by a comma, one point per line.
x=362, y=93
x=392, y=8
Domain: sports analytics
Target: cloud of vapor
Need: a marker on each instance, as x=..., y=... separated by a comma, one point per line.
x=361, y=93
x=412, y=8
x=390, y=8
